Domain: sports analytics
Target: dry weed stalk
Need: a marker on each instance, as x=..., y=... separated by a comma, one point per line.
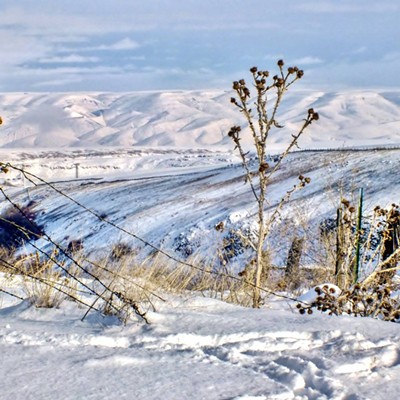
x=260, y=124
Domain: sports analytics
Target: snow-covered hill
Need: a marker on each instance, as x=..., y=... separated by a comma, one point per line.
x=190, y=119
x=174, y=199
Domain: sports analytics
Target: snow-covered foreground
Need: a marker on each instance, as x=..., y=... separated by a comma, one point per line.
x=196, y=348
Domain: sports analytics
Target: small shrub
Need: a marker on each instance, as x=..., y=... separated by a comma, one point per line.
x=16, y=228
x=120, y=251
x=375, y=300
x=75, y=246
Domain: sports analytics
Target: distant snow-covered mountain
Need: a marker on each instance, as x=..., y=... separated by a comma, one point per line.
x=190, y=119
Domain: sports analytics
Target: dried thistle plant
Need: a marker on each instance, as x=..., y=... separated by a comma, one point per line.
x=360, y=300
x=268, y=97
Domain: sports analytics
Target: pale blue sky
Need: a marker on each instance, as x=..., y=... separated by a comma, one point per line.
x=129, y=45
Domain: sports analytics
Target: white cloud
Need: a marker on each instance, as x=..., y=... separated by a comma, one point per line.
x=356, y=51
x=308, y=60
x=16, y=49
x=72, y=58
x=274, y=57
x=62, y=82
x=137, y=58
x=124, y=44
x=393, y=56
x=335, y=7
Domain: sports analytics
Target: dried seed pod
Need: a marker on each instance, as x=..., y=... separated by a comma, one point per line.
x=263, y=167
x=280, y=82
x=346, y=203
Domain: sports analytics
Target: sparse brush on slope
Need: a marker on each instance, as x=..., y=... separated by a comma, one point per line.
x=376, y=292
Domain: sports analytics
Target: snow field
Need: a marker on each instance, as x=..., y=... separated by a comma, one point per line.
x=197, y=348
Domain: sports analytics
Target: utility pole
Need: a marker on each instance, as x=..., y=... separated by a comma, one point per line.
x=76, y=170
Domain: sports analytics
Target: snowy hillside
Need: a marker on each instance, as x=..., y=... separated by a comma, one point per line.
x=174, y=199
x=191, y=119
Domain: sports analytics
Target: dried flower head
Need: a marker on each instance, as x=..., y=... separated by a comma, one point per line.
x=346, y=203
x=280, y=82
x=234, y=131
x=263, y=167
